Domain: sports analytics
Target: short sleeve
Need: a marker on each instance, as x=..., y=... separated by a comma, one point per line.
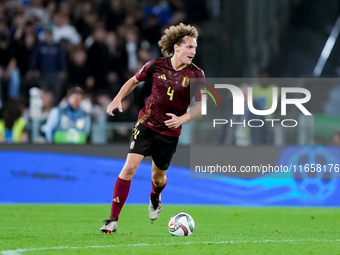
x=142, y=74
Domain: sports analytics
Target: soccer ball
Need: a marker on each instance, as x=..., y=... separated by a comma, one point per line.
x=181, y=224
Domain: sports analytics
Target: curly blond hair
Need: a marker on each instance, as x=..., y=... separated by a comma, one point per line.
x=175, y=35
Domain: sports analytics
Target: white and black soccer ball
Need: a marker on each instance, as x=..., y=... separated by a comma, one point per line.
x=181, y=224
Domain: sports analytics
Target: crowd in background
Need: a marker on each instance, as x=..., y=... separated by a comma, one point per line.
x=95, y=45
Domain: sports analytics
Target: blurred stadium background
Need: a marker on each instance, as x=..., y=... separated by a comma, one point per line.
x=101, y=43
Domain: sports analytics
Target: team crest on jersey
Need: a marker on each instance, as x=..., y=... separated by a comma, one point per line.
x=185, y=82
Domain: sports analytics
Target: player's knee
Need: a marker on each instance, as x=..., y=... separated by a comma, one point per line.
x=129, y=170
x=158, y=180
x=158, y=183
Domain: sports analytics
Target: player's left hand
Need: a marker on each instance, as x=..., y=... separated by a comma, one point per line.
x=174, y=122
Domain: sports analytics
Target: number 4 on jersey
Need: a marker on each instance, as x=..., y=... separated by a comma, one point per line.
x=170, y=93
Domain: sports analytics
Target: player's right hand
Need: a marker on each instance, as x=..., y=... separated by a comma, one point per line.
x=115, y=104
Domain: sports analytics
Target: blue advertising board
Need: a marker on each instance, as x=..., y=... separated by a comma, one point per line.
x=31, y=177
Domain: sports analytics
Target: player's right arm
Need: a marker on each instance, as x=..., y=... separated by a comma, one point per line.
x=127, y=88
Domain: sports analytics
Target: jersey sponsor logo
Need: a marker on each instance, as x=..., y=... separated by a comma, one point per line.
x=116, y=200
x=185, y=82
x=163, y=77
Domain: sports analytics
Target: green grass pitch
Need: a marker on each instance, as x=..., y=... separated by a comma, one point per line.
x=74, y=229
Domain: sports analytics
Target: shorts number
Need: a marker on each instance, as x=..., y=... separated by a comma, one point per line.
x=170, y=93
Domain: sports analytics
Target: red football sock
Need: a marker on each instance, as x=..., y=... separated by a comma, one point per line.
x=154, y=194
x=120, y=194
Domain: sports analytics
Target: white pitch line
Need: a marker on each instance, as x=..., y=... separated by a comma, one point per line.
x=20, y=251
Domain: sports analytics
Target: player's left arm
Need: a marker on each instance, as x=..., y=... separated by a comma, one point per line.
x=177, y=121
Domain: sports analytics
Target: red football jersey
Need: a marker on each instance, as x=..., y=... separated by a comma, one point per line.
x=170, y=93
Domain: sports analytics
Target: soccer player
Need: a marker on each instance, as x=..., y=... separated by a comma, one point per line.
x=159, y=122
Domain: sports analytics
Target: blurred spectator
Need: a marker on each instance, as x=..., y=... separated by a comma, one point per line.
x=87, y=23
x=332, y=105
x=3, y=9
x=47, y=99
x=66, y=7
x=178, y=11
x=9, y=75
x=48, y=63
x=17, y=24
x=336, y=139
x=23, y=49
x=116, y=15
x=245, y=136
x=151, y=31
x=132, y=40
x=81, y=8
x=24, y=28
x=63, y=30
x=12, y=125
x=116, y=62
x=51, y=8
x=4, y=31
x=97, y=59
x=78, y=70
x=38, y=14
x=263, y=99
x=241, y=135
x=133, y=19
x=69, y=124
x=144, y=55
